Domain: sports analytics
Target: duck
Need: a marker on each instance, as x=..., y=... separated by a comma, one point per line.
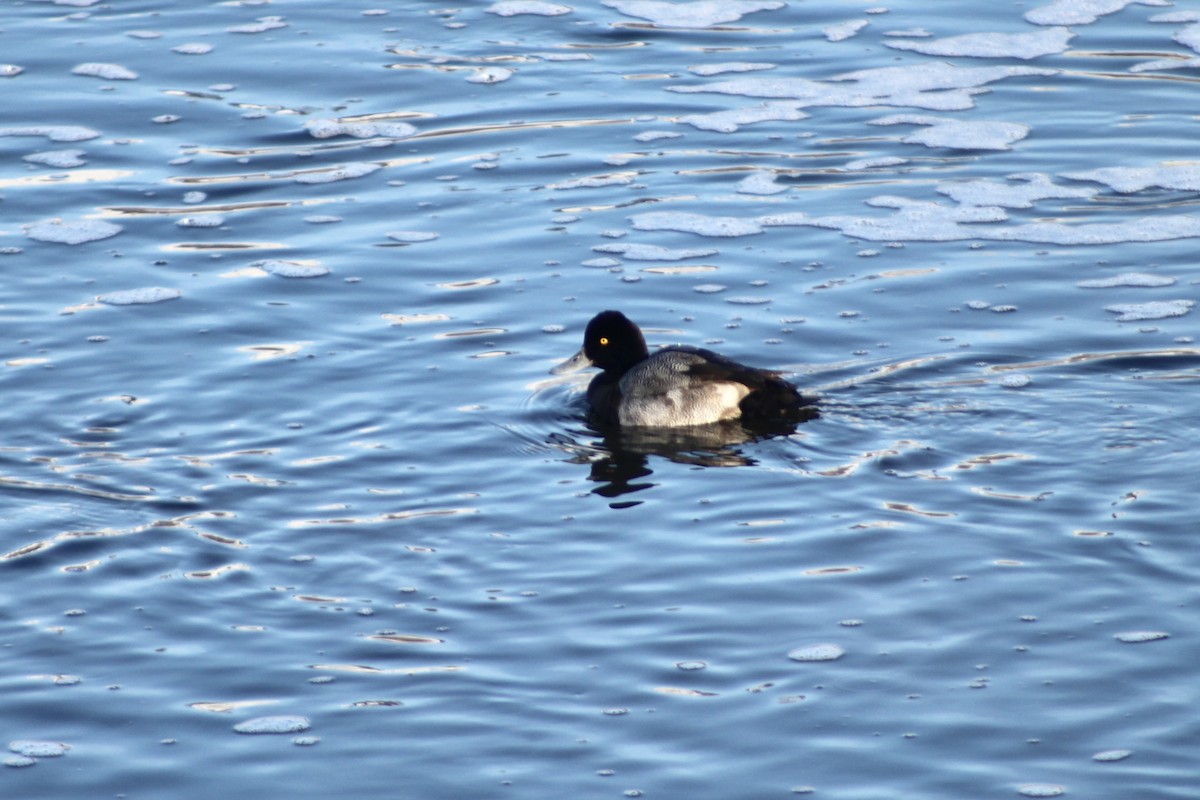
x=677, y=385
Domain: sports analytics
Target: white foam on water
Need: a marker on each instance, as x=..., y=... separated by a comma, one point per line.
x=1139, y=637
x=412, y=237
x=1189, y=35
x=1139, y=279
x=992, y=45
x=512, y=8
x=934, y=86
x=817, y=652
x=490, y=75
x=193, y=49
x=134, y=297
x=1176, y=16
x=60, y=159
x=925, y=221
x=262, y=25
x=909, y=33
x=873, y=163
x=653, y=136
x=292, y=269
x=328, y=128
x=1143, y=229
x=844, y=30
x=924, y=82
x=705, y=70
x=109, y=72
x=731, y=120
x=55, y=133
x=594, y=181
x=1184, y=177
x=344, y=172
x=915, y=220
x=760, y=182
x=71, y=232
x=38, y=748
x=1158, y=309
x=283, y=723
x=566, y=57
x=1030, y=187
x=201, y=221
x=697, y=14
x=1166, y=63
x=701, y=224
x=957, y=134
x=652, y=252
x=285, y=269
x=1081, y=12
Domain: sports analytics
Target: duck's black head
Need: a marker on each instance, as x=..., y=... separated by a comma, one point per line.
x=614, y=343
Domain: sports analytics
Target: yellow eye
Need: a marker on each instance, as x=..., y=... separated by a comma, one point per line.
x=603, y=340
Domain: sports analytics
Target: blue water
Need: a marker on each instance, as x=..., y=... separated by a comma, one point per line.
x=359, y=499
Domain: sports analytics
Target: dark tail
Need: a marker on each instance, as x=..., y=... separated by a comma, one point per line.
x=776, y=399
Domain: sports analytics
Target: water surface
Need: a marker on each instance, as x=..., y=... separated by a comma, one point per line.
x=283, y=284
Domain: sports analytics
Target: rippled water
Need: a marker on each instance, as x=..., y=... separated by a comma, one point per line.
x=292, y=506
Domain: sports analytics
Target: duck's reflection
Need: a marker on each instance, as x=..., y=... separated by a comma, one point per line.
x=619, y=459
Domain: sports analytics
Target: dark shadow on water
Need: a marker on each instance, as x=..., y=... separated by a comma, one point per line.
x=619, y=459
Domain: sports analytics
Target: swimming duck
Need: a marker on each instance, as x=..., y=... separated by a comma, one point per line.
x=677, y=385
